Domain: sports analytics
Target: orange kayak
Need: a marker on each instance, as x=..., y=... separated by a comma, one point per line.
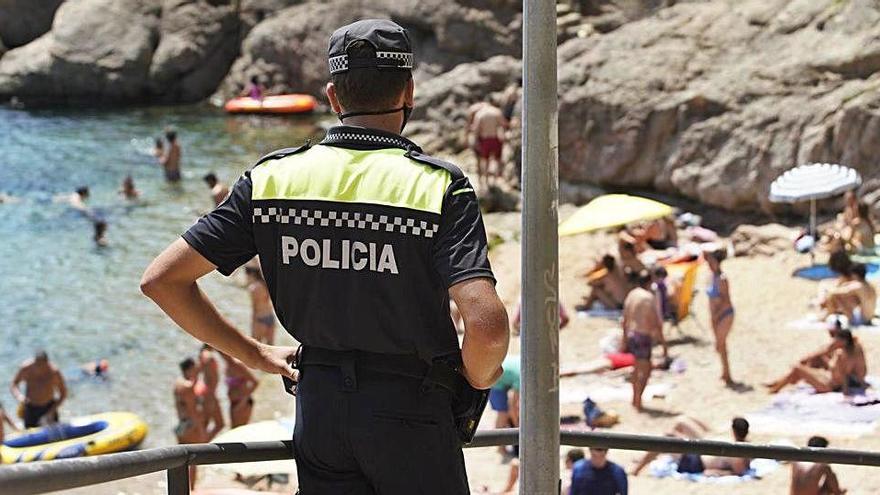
x=294, y=103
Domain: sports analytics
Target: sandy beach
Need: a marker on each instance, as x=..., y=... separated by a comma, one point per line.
x=766, y=297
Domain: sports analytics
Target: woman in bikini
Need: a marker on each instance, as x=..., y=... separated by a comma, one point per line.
x=263, y=319
x=720, y=309
x=240, y=386
x=838, y=369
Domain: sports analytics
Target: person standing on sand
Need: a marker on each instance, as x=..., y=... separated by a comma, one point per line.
x=170, y=159
x=44, y=393
x=210, y=377
x=190, y=426
x=641, y=325
x=720, y=309
x=488, y=126
x=240, y=386
x=811, y=478
x=219, y=190
x=262, y=312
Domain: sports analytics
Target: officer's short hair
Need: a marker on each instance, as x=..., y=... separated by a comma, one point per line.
x=368, y=88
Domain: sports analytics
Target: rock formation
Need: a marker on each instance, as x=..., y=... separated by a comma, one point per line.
x=708, y=99
x=125, y=51
x=289, y=50
x=22, y=21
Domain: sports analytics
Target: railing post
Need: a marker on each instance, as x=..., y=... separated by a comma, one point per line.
x=178, y=480
x=539, y=427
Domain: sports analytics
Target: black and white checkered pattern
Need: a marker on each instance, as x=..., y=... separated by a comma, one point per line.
x=352, y=220
x=401, y=60
x=347, y=137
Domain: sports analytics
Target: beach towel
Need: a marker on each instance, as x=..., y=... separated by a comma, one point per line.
x=802, y=411
x=812, y=323
x=665, y=466
x=574, y=390
x=600, y=312
x=823, y=272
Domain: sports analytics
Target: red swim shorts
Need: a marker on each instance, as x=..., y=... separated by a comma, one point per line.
x=489, y=147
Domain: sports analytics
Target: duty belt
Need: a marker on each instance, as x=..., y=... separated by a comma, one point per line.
x=443, y=372
x=468, y=403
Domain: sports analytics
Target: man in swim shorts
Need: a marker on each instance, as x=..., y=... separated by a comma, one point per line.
x=170, y=159
x=641, y=325
x=44, y=393
x=263, y=313
x=488, y=126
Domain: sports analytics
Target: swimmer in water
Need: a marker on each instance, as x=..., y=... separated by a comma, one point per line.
x=77, y=200
x=128, y=191
x=219, y=190
x=101, y=233
x=158, y=148
x=98, y=368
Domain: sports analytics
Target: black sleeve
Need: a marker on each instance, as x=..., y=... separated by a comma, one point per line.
x=225, y=236
x=460, y=248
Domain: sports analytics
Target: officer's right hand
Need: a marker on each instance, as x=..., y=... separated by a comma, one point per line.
x=276, y=360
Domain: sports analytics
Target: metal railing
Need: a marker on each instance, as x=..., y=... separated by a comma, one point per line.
x=40, y=477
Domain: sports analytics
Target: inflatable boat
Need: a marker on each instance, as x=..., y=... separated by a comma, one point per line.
x=87, y=435
x=278, y=104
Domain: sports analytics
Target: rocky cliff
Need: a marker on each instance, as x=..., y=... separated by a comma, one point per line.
x=708, y=99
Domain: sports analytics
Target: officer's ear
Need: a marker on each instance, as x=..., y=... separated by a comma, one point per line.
x=408, y=93
x=332, y=98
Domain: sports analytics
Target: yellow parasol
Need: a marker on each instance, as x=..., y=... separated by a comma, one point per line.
x=613, y=210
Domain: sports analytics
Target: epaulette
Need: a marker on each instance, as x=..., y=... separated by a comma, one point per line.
x=283, y=152
x=420, y=157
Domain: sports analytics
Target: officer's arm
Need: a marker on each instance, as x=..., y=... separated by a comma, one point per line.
x=170, y=281
x=486, y=334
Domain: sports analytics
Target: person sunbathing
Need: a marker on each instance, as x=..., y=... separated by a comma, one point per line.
x=608, y=284
x=693, y=429
x=858, y=235
x=854, y=297
x=835, y=370
x=810, y=478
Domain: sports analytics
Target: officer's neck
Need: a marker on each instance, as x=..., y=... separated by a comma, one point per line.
x=388, y=123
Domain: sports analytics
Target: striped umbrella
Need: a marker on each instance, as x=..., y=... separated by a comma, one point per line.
x=811, y=182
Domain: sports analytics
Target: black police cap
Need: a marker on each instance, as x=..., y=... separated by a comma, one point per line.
x=389, y=40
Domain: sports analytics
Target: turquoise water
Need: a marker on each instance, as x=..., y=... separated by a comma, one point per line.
x=78, y=302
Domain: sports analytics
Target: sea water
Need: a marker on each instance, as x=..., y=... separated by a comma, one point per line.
x=61, y=293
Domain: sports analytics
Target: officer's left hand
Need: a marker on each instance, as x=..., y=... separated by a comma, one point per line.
x=275, y=359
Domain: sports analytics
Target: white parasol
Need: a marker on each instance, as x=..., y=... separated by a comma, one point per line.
x=811, y=182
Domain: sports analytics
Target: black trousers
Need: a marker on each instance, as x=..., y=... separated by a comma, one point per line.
x=360, y=432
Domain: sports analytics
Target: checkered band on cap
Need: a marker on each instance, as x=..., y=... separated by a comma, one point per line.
x=345, y=219
x=395, y=60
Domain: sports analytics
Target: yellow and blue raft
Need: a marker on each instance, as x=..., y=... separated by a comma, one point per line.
x=87, y=435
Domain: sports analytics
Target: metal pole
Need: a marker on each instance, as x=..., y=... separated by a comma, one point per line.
x=178, y=480
x=539, y=431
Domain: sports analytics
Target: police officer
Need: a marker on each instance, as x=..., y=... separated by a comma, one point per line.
x=363, y=240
